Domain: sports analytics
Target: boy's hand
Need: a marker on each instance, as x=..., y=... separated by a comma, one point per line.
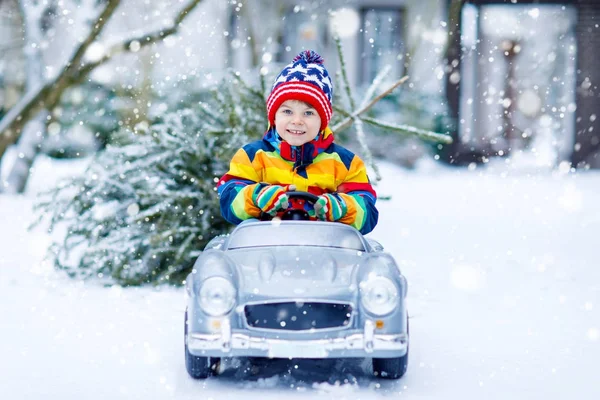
x=330, y=207
x=271, y=199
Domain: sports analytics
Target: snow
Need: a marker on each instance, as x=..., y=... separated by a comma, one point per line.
x=504, y=298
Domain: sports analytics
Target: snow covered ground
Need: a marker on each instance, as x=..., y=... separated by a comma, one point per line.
x=504, y=296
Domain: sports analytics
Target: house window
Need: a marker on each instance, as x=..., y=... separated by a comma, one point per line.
x=291, y=29
x=382, y=42
x=304, y=27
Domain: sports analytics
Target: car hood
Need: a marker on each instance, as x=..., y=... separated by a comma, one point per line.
x=296, y=272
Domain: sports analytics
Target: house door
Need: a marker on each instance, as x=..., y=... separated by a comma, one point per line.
x=519, y=77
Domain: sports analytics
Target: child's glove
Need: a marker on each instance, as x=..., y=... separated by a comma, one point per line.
x=330, y=207
x=271, y=198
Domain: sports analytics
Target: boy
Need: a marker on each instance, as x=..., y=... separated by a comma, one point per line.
x=297, y=152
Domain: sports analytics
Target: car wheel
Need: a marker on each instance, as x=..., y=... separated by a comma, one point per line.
x=391, y=368
x=198, y=367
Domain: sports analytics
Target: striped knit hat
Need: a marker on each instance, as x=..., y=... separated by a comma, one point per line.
x=305, y=79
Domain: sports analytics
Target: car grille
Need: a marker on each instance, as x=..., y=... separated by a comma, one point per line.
x=298, y=316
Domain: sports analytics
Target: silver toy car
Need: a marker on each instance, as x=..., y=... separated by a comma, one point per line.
x=296, y=289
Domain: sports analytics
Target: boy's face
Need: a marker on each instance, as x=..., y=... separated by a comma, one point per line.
x=297, y=122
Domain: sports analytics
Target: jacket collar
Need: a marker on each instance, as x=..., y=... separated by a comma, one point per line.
x=300, y=155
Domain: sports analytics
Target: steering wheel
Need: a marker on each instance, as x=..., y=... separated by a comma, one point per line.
x=294, y=214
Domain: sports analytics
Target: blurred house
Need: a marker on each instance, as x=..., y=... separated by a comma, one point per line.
x=406, y=35
x=524, y=79
x=518, y=77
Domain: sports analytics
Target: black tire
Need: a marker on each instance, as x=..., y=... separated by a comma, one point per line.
x=391, y=368
x=198, y=367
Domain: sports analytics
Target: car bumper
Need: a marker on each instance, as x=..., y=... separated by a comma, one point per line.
x=363, y=344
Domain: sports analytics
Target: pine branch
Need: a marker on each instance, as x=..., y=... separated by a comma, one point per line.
x=375, y=85
x=348, y=121
x=360, y=134
x=185, y=246
x=97, y=28
x=404, y=129
x=143, y=41
x=346, y=82
x=411, y=131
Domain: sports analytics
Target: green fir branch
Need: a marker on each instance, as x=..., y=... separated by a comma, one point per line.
x=345, y=81
x=411, y=131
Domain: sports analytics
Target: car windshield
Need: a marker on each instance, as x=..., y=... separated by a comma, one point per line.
x=321, y=235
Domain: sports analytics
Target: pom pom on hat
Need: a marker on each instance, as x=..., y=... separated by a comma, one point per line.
x=309, y=56
x=304, y=79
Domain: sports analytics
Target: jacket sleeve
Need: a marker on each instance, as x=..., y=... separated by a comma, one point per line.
x=237, y=188
x=360, y=198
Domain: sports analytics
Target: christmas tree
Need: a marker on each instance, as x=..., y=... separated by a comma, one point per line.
x=147, y=205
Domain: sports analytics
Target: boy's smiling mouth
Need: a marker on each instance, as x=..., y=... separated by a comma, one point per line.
x=295, y=132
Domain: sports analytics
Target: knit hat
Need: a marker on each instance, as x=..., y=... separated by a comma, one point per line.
x=305, y=79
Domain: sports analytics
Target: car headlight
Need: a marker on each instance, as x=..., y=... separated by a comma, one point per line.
x=379, y=295
x=216, y=296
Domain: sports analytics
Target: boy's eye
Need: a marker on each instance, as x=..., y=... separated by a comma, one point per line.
x=286, y=111
x=309, y=113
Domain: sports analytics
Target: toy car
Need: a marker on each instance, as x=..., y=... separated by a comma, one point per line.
x=293, y=288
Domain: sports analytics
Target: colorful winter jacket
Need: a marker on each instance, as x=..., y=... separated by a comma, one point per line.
x=318, y=167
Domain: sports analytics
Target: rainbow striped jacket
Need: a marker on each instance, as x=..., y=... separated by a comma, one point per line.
x=318, y=167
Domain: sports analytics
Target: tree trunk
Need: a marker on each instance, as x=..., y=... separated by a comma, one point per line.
x=34, y=131
x=44, y=97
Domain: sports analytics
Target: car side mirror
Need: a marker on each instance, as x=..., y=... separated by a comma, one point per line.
x=375, y=245
x=216, y=243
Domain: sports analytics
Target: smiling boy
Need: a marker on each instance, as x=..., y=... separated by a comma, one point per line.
x=298, y=152
x=297, y=122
